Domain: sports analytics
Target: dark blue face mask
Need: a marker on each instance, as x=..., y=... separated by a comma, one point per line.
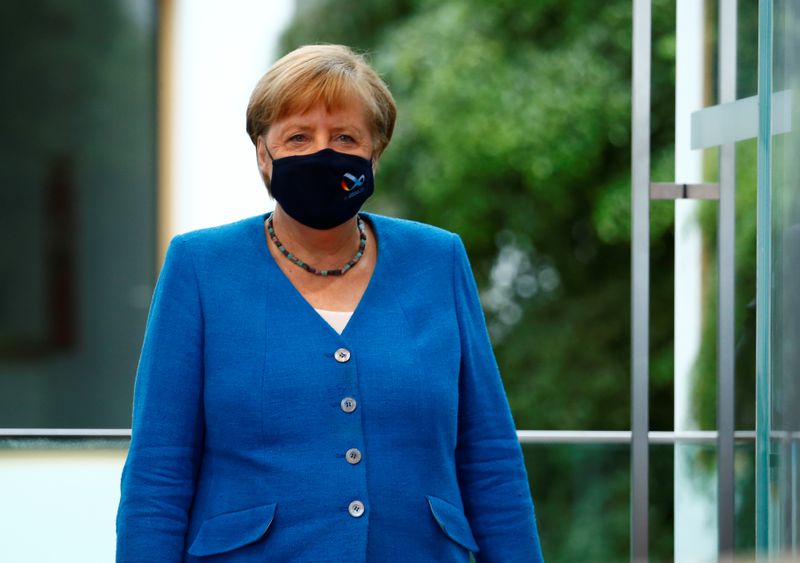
x=324, y=189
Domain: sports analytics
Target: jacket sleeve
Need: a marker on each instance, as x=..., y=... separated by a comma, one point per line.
x=489, y=463
x=158, y=479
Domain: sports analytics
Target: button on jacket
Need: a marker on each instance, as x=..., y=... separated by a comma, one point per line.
x=260, y=434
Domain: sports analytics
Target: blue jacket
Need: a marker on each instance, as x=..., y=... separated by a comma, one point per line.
x=246, y=403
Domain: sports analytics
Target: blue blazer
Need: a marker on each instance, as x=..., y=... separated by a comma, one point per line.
x=260, y=434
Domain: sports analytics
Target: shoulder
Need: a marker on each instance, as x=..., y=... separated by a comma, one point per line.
x=231, y=241
x=232, y=232
x=412, y=235
x=418, y=252
x=213, y=251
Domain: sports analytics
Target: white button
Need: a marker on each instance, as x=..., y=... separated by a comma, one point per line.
x=353, y=456
x=356, y=508
x=348, y=404
x=342, y=355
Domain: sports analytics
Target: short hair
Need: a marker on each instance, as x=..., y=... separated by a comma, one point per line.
x=331, y=74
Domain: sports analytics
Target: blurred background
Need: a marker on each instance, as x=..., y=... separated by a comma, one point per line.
x=123, y=124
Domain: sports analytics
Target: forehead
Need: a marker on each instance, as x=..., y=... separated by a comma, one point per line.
x=346, y=113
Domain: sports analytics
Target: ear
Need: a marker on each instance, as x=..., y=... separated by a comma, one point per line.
x=375, y=159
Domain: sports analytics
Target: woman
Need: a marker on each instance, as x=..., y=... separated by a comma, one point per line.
x=317, y=384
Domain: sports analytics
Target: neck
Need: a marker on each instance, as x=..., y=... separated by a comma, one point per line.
x=327, y=248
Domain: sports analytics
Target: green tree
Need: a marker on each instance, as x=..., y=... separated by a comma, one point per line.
x=514, y=131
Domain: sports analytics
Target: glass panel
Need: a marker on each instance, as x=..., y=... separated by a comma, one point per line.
x=779, y=291
x=582, y=499
x=77, y=210
x=695, y=501
x=698, y=410
x=697, y=280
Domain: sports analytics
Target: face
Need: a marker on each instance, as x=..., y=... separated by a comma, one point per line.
x=344, y=130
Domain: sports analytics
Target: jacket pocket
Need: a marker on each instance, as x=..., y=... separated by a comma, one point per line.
x=453, y=522
x=231, y=530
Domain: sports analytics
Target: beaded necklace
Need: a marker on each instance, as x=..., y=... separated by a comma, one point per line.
x=362, y=243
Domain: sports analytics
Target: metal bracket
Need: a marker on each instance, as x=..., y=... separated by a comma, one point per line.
x=663, y=190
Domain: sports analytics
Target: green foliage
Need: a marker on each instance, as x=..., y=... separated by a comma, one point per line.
x=356, y=23
x=590, y=497
x=705, y=377
x=514, y=131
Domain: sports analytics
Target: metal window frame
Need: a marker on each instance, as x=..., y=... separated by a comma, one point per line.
x=640, y=274
x=726, y=292
x=24, y=436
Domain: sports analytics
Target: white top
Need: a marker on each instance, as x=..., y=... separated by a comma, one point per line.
x=337, y=319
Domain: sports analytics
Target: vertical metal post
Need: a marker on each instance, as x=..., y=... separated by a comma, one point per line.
x=726, y=237
x=640, y=273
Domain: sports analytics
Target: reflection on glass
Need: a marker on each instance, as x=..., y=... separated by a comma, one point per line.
x=77, y=170
x=692, y=521
x=779, y=291
x=582, y=499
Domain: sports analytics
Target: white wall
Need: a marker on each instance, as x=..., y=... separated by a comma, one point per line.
x=695, y=499
x=59, y=504
x=221, y=49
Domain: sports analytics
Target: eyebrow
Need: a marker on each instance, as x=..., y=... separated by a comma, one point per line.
x=350, y=128
x=296, y=124
x=299, y=124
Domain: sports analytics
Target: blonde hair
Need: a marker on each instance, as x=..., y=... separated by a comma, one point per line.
x=331, y=74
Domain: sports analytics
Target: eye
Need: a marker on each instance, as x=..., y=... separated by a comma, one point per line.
x=297, y=138
x=344, y=138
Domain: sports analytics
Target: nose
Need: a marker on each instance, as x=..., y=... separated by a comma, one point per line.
x=321, y=141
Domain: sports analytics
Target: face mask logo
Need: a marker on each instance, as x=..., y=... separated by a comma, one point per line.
x=350, y=182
